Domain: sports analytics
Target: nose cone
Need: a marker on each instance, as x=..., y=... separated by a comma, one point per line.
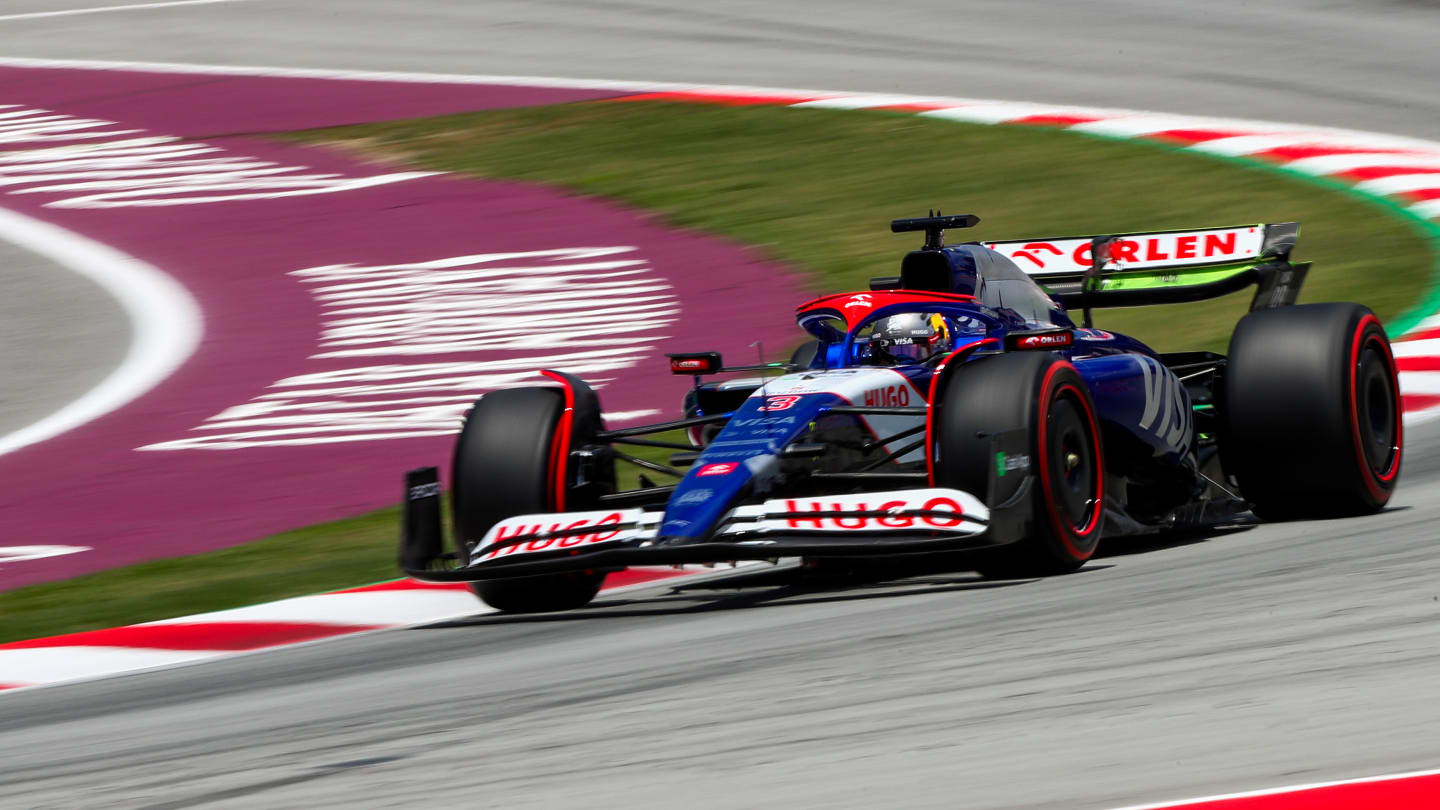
x=741, y=462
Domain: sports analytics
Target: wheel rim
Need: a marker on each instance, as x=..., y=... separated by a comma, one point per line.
x=1071, y=458
x=1376, y=411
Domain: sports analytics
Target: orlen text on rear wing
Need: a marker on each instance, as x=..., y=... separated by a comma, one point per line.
x=1164, y=267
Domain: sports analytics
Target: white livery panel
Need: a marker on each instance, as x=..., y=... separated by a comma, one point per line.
x=908, y=511
x=563, y=530
x=857, y=385
x=904, y=511
x=882, y=387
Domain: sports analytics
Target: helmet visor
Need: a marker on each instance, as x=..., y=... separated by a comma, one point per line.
x=909, y=350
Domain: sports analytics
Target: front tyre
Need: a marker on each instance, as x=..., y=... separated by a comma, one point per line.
x=1311, y=419
x=504, y=465
x=1044, y=396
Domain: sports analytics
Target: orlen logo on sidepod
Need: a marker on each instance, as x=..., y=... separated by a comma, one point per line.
x=1049, y=340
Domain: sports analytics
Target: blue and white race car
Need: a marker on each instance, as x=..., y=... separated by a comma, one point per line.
x=956, y=408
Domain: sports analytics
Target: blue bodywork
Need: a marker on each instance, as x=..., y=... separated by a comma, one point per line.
x=1144, y=409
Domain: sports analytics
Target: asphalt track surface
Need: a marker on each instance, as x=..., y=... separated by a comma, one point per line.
x=1368, y=64
x=1262, y=656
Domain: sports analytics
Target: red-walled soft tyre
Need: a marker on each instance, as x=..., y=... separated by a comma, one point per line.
x=1311, y=413
x=503, y=466
x=1043, y=395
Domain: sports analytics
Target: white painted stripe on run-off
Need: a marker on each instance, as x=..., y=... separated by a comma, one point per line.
x=72, y=12
x=1429, y=209
x=1392, y=777
x=997, y=112
x=1401, y=183
x=165, y=321
x=1428, y=347
x=1420, y=382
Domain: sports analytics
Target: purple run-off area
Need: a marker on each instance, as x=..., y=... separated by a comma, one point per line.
x=282, y=378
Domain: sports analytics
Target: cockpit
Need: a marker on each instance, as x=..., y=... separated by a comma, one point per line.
x=989, y=276
x=930, y=309
x=913, y=338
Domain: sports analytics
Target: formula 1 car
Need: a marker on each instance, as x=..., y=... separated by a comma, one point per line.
x=955, y=408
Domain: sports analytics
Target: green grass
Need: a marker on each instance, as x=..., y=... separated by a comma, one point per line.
x=815, y=189
x=333, y=555
x=343, y=554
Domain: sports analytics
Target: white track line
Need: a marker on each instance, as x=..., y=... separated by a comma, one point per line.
x=165, y=322
x=73, y=12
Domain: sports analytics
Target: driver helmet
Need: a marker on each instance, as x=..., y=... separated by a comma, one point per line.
x=911, y=337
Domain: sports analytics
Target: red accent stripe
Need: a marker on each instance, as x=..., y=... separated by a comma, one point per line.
x=1430, y=363
x=888, y=296
x=629, y=576
x=242, y=636
x=1302, y=152
x=1412, y=793
x=1423, y=335
x=637, y=576
x=1399, y=405
x=1419, y=402
x=560, y=451
x=1373, y=481
x=868, y=302
x=1377, y=172
x=1053, y=120
x=1062, y=525
x=1193, y=136
x=1422, y=194
x=232, y=636
x=930, y=421
x=728, y=99
x=930, y=402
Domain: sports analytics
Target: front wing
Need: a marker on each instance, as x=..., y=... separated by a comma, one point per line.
x=875, y=524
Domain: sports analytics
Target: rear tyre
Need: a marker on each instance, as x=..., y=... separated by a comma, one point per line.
x=1310, y=424
x=502, y=468
x=1043, y=395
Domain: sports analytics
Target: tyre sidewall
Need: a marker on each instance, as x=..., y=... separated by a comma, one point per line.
x=1290, y=423
x=505, y=465
x=502, y=461
x=1012, y=392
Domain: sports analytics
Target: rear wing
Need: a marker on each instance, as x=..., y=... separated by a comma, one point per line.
x=1164, y=267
